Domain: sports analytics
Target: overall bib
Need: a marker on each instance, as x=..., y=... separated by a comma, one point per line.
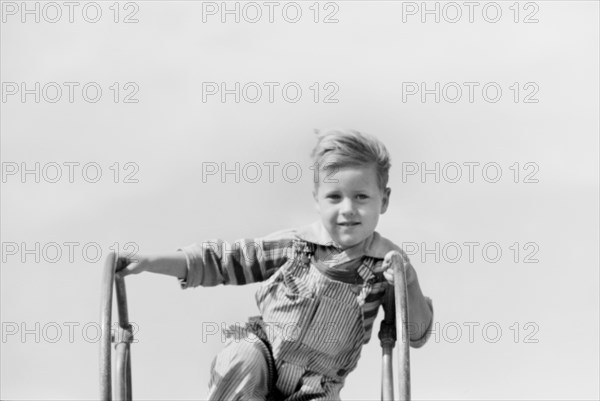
x=314, y=326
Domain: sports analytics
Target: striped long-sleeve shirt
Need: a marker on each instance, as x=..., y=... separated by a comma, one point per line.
x=246, y=261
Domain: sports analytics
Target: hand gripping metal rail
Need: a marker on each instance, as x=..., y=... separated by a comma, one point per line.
x=395, y=307
x=121, y=337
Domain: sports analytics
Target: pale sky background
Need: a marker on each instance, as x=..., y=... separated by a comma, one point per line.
x=171, y=132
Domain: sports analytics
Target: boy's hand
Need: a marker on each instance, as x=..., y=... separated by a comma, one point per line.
x=388, y=269
x=127, y=266
x=171, y=264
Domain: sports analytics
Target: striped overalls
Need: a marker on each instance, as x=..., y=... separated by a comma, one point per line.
x=312, y=327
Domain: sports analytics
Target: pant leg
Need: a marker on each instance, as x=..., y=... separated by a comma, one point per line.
x=315, y=387
x=241, y=371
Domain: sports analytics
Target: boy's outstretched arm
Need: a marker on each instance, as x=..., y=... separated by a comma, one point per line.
x=215, y=262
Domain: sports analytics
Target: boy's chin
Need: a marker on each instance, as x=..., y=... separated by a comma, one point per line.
x=346, y=243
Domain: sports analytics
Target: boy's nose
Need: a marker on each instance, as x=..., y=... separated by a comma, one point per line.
x=347, y=207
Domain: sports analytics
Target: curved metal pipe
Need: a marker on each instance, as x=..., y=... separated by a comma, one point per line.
x=395, y=306
x=106, y=295
x=123, y=343
x=387, y=381
x=401, y=303
x=121, y=377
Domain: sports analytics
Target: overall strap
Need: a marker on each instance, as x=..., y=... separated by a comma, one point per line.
x=365, y=271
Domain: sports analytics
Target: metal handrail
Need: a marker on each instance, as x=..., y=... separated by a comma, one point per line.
x=395, y=306
x=122, y=336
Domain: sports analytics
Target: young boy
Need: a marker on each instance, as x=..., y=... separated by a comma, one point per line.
x=323, y=283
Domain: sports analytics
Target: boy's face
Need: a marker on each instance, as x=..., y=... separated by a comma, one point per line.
x=350, y=202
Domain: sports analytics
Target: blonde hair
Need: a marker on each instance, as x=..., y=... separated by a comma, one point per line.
x=340, y=148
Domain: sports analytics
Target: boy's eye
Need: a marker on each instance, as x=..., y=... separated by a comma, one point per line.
x=362, y=196
x=333, y=196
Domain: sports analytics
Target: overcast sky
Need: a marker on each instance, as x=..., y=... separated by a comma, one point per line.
x=133, y=138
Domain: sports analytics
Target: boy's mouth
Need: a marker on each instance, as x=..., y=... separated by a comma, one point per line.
x=349, y=224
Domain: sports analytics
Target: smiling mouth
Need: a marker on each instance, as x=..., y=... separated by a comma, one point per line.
x=351, y=224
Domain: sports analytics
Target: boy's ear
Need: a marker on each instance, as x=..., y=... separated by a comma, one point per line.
x=386, y=199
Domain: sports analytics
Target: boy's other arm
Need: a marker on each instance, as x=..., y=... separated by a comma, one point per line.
x=420, y=307
x=420, y=313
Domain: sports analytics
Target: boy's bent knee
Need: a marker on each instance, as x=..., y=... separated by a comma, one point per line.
x=240, y=370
